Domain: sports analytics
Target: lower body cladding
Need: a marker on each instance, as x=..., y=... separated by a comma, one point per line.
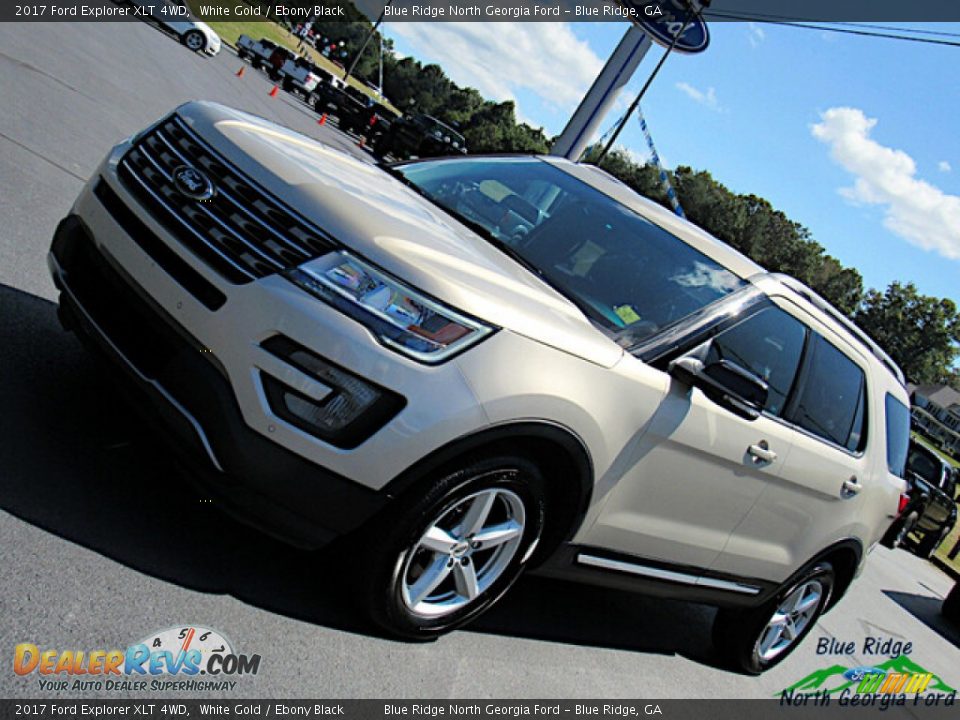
x=183, y=393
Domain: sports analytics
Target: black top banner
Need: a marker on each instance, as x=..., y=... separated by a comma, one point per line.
x=299, y=11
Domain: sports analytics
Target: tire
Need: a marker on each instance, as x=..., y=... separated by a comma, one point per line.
x=930, y=542
x=287, y=85
x=415, y=591
x=194, y=40
x=739, y=635
x=255, y=62
x=951, y=605
x=904, y=529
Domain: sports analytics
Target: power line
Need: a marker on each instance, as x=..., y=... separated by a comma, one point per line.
x=788, y=22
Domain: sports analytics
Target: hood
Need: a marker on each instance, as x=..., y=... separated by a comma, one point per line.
x=381, y=219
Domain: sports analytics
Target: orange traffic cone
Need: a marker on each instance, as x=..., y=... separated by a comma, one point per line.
x=322, y=120
x=241, y=71
x=363, y=141
x=276, y=89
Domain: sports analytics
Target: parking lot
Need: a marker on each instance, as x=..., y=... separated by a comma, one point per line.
x=102, y=541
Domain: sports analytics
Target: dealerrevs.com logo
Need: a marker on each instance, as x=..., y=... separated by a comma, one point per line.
x=189, y=658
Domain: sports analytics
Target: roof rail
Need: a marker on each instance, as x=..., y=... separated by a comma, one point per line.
x=821, y=304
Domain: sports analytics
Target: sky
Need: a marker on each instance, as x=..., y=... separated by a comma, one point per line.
x=855, y=138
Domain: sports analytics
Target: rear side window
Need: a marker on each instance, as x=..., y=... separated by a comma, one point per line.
x=768, y=344
x=897, y=418
x=832, y=403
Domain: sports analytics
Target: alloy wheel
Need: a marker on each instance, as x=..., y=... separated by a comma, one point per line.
x=462, y=552
x=791, y=618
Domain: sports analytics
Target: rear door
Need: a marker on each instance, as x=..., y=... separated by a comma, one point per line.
x=816, y=497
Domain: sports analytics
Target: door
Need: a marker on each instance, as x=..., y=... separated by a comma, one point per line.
x=817, y=498
x=697, y=469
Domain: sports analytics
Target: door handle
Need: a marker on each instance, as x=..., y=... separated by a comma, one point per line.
x=850, y=487
x=761, y=452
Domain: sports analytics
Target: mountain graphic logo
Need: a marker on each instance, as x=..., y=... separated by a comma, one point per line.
x=836, y=678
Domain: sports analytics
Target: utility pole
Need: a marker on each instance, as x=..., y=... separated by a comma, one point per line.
x=643, y=90
x=602, y=94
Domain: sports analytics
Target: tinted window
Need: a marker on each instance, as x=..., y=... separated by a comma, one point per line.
x=898, y=434
x=831, y=402
x=628, y=274
x=925, y=464
x=769, y=345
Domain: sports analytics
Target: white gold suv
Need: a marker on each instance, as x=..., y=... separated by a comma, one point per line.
x=472, y=365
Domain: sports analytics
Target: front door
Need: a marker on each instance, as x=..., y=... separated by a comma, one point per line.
x=697, y=469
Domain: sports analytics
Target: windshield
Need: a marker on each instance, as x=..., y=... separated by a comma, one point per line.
x=624, y=272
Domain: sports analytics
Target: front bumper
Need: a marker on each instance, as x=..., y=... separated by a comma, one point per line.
x=192, y=344
x=182, y=392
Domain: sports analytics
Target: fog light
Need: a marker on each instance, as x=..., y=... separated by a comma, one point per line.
x=346, y=417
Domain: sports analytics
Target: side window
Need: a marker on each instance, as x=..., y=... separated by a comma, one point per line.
x=768, y=344
x=832, y=402
x=898, y=434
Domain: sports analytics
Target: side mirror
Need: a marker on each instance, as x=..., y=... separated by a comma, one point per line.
x=725, y=383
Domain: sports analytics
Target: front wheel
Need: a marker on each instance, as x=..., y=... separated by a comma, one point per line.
x=444, y=556
x=194, y=40
x=754, y=640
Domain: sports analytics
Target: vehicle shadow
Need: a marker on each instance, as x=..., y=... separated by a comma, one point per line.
x=575, y=614
x=926, y=609
x=76, y=461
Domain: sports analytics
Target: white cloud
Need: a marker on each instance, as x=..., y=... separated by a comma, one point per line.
x=707, y=99
x=944, y=166
x=755, y=34
x=500, y=59
x=915, y=210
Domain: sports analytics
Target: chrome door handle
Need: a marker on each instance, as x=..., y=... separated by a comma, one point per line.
x=761, y=452
x=850, y=487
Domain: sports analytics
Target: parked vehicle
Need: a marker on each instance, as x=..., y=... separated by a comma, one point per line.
x=420, y=136
x=931, y=508
x=472, y=366
x=300, y=75
x=176, y=18
x=258, y=52
x=355, y=111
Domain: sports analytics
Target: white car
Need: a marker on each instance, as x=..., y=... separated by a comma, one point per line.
x=172, y=16
x=471, y=365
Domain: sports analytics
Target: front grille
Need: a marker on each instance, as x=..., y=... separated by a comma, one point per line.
x=241, y=232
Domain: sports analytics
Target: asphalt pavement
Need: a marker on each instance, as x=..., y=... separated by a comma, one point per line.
x=102, y=541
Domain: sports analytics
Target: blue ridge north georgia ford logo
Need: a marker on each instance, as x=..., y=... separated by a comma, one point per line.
x=193, y=183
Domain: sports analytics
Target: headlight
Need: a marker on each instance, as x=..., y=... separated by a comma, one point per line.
x=400, y=318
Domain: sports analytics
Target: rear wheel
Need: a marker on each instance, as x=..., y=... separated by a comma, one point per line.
x=194, y=40
x=446, y=555
x=754, y=640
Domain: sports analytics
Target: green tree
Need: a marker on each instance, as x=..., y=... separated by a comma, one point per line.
x=920, y=332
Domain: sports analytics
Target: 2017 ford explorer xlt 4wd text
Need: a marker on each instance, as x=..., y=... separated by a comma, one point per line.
x=468, y=366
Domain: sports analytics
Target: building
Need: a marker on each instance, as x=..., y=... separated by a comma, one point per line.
x=936, y=414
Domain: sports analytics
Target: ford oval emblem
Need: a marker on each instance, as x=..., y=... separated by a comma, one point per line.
x=193, y=183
